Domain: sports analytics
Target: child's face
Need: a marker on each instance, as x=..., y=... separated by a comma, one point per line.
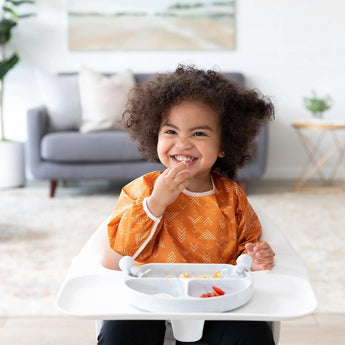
x=190, y=133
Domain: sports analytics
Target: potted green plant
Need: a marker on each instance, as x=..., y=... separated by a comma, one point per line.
x=317, y=105
x=11, y=153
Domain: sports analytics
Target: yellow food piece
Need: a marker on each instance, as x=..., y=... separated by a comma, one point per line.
x=187, y=275
x=184, y=275
x=218, y=275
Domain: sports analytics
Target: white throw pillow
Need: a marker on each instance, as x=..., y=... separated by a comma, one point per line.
x=103, y=99
x=60, y=95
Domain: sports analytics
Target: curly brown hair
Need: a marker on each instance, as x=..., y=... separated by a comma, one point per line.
x=241, y=112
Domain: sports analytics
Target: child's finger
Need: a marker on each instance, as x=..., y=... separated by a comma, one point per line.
x=263, y=264
x=261, y=245
x=250, y=247
x=170, y=174
x=182, y=180
x=264, y=247
x=183, y=185
x=265, y=260
x=264, y=253
x=182, y=176
x=174, y=170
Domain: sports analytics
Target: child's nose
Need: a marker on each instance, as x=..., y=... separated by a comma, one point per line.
x=184, y=143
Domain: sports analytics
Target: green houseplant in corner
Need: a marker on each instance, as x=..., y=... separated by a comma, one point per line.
x=11, y=153
x=317, y=105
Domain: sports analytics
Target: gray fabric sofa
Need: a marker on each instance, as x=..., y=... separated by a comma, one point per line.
x=55, y=154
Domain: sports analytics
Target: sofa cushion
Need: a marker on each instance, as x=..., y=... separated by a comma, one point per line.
x=76, y=147
x=235, y=77
x=60, y=95
x=144, y=77
x=103, y=99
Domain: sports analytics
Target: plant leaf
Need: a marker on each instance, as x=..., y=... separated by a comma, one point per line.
x=20, y=2
x=7, y=65
x=27, y=15
x=11, y=12
x=6, y=26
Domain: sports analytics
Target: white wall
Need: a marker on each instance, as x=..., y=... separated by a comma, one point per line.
x=284, y=47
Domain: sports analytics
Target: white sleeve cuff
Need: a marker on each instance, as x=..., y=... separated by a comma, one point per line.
x=148, y=212
x=153, y=230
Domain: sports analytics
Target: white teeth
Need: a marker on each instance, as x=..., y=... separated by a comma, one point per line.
x=183, y=158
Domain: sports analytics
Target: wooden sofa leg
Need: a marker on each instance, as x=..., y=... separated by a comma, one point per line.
x=53, y=184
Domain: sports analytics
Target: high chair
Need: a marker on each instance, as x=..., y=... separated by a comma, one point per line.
x=92, y=286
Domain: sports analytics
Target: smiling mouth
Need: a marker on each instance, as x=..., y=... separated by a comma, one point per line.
x=181, y=158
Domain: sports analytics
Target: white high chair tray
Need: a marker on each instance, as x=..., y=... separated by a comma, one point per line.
x=103, y=295
x=92, y=291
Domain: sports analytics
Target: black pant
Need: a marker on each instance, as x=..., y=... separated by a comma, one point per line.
x=148, y=332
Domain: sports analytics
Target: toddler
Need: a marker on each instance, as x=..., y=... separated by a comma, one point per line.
x=199, y=125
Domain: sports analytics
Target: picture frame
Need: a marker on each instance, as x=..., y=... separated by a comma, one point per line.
x=149, y=25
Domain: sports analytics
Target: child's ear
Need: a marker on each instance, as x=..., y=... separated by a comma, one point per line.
x=221, y=154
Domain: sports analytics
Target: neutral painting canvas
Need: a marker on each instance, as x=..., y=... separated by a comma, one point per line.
x=151, y=25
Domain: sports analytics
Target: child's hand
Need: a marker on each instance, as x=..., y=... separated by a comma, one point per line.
x=168, y=187
x=262, y=255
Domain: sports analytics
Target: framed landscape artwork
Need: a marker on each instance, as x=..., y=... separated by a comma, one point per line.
x=151, y=25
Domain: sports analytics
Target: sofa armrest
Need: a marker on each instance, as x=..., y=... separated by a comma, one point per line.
x=255, y=168
x=37, y=127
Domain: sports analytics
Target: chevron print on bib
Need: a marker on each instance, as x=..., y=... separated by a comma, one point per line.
x=207, y=228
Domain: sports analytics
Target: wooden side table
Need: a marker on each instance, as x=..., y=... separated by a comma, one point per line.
x=323, y=162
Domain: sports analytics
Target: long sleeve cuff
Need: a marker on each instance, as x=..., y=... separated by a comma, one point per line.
x=153, y=230
x=148, y=212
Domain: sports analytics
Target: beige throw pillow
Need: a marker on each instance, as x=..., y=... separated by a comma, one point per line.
x=103, y=99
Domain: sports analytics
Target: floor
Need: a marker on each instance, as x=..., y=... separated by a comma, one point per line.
x=316, y=329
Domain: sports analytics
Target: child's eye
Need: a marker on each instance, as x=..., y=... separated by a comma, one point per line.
x=199, y=134
x=170, y=131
